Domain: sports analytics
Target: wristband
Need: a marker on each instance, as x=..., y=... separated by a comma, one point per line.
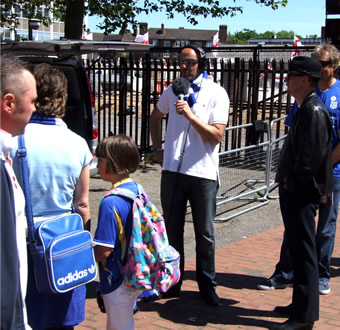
x=157, y=150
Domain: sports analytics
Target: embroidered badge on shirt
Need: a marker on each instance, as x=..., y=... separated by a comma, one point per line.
x=334, y=103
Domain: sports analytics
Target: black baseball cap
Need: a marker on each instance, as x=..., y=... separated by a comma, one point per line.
x=305, y=66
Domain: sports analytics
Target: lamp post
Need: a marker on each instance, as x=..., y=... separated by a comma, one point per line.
x=33, y=24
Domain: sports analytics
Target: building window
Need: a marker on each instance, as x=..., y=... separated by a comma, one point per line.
x=5, y=34
x=40, y=9
x=17, y=10
x=166, y=43
x=6, y=13
x=25, y=13
x=182, y=43
x=166, y=54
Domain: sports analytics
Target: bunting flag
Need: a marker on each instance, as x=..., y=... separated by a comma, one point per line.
x=142, y=38
x=165, y=65
x=296, y=43
x=277, y=75
x=215, y=40
x=88, y=36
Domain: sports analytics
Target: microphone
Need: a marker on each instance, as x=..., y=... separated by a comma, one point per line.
x=180, y=87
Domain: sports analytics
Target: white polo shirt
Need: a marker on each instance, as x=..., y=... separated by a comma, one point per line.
x=200, y=158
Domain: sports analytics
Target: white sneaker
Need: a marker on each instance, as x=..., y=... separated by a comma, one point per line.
x=324, y=287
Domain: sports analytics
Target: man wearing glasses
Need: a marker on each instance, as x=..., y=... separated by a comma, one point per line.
x=189, y=161
x=328, y=90
x=305, y=180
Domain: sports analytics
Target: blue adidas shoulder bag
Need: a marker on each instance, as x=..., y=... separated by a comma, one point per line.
x=61, y=250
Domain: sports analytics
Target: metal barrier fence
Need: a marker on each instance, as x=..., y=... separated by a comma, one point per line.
x=247, y=173
x=127, y=90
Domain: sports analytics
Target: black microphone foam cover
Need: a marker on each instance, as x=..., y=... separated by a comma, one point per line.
x=180, y=86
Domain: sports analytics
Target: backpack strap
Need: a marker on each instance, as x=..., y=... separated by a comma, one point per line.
x=123, y=192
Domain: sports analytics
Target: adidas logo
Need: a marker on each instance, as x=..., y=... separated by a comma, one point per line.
x=92, y=269
x=76, y=276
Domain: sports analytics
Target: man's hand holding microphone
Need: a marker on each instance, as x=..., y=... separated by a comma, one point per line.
x=180, y=87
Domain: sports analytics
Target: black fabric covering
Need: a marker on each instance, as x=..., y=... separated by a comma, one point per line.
x=254, y=131
x=11, y=302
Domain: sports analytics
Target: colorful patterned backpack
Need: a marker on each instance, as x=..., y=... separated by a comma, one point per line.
x=151, y=262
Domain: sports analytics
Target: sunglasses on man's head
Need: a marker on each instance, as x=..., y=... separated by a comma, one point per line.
x=325, y=63
x=188, y=61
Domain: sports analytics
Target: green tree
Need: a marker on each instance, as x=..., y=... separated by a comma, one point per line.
x=241, y=37
x=267, y=35
x=283, y=34
x=120, y=15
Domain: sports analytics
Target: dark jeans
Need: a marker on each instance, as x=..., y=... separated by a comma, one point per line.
x=325, y=237
x=176, y=190
x=298, y=213
x=325, y=233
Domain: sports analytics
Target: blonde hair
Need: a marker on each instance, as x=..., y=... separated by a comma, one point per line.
x=334, y=54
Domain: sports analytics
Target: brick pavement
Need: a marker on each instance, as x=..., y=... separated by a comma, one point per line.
x=239, y=266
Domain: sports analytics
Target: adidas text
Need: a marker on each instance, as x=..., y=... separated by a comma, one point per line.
x=72, y=277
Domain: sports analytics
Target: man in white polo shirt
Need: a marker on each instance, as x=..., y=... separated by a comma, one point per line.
x=195, y=129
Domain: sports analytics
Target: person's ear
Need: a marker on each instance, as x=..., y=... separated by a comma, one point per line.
x=8, y=103
x=306, y=79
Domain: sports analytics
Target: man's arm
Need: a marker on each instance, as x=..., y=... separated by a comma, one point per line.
x=212, y=133
x=313, y=139
x=336, y=154
x=156, y=133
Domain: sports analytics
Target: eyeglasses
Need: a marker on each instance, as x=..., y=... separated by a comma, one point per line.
x=188, y=61
x=325, y=63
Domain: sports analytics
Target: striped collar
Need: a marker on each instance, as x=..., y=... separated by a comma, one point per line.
x=38, y=118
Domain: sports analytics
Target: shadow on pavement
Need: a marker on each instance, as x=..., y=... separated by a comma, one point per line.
x=231, y=280
x=190, y=309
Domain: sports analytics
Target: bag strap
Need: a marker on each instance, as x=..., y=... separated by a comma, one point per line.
x=22, y=152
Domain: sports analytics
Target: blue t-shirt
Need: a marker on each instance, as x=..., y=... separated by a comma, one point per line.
x=114, y=231
x=331, y=99
x=55, y=158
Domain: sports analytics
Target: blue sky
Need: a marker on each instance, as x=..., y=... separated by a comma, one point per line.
x=301, y=16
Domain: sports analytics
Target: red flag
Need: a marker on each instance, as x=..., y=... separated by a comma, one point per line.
x=296, y=43
x=215, y=40
x=142, y=38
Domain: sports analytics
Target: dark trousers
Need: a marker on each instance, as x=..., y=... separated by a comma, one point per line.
x=298, y=213
x=325, y=238
x=284, y=265
x=176, y=190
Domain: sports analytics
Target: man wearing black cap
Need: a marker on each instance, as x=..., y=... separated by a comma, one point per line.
x=328, y=90
x=305, y=177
